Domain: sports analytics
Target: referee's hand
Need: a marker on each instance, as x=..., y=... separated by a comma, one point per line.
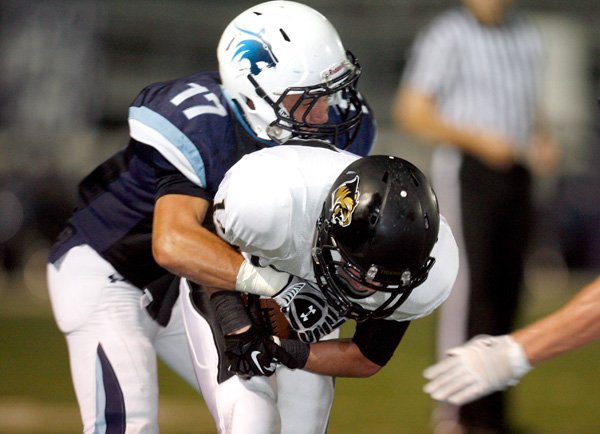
x=494, y=150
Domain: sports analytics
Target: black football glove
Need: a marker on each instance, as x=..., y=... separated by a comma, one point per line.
x=246, y=351
x=253, y=353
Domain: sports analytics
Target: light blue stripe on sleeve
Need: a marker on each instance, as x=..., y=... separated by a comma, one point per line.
x=173, y=135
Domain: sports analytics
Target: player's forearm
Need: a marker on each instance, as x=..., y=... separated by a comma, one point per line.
x=202, y=258
x=574, y=325
x=184, y=247
x=339, y=358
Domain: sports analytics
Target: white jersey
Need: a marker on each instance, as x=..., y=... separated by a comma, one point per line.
x=268, y=205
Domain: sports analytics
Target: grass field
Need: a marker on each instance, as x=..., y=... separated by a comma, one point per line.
x=560, y=397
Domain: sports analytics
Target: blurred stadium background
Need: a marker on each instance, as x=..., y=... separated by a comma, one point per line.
x=70, y=68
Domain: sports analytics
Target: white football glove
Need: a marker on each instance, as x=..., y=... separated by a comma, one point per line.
x=307, y=310
x=483, y=365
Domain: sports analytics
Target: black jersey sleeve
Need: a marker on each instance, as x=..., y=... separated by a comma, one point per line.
x=377, y=339
x=168, y=179
x=176, y=183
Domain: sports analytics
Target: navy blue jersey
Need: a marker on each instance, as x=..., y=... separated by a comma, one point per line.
x=184, y=136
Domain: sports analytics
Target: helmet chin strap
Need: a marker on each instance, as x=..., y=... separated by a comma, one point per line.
x=278, y=134
x=344, y=303
x=275, y=133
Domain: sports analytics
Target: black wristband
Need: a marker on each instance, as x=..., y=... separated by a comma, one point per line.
x=297, y=349
x=229, y=311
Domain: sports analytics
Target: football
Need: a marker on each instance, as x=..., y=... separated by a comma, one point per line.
x=267, y=313
x=276, y=320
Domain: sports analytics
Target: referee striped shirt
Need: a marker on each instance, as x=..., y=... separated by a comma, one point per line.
x=485, y=77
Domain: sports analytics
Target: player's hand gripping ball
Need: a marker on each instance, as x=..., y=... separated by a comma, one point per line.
x=253, y=353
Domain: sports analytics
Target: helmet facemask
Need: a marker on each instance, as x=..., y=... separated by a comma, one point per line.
x=345, y=108
x=344, y=283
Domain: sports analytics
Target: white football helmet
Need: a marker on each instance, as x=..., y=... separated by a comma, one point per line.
x=280, y=48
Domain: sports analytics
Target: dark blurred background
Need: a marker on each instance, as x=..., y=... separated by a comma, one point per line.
x=69, y=69
x=68, y=72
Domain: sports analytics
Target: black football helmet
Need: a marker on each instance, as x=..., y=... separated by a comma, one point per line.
x=376, y=231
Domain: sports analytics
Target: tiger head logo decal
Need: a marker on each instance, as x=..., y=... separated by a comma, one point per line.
x=344, y=201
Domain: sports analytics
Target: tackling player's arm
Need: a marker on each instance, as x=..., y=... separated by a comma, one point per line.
x=183, y=246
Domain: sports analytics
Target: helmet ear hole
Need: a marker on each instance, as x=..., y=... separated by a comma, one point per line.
x=415, y=179
x=249, y=103
x=374, y=217
x=285, y=35
x=228, y=45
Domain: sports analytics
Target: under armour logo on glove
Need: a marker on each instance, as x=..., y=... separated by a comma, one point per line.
x=306, y=315
x=307, y=310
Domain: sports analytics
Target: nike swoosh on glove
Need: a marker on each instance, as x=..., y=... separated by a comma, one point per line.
x=253, y=353
x=483, y=365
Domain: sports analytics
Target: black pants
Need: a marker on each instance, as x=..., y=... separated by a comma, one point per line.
x=496, y=211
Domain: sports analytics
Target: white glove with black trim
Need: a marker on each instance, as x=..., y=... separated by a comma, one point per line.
x=307, y=310
x=483, y=365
